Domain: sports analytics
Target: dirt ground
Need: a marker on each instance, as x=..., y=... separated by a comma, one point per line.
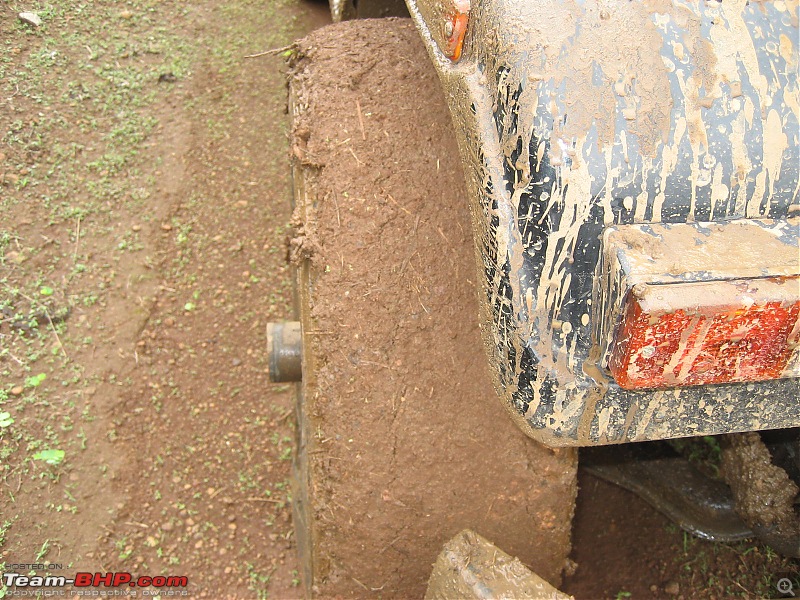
x=143, y=216
x=144, y=210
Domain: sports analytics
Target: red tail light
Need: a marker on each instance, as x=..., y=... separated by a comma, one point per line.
x=455, y=28
x=701, y=303
x=702, y=333
x=446, y=21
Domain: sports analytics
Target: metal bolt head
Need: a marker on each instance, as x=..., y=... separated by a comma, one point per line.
x=285, y=351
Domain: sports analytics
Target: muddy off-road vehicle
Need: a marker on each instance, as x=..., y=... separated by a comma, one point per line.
x=628, y=176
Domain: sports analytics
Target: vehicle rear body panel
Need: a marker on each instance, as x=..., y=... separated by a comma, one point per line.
x=574, y=117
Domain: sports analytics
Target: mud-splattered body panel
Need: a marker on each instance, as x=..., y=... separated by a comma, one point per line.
x=574, y=117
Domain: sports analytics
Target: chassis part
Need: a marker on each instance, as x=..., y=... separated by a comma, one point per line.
x=765, y=496
x=671, y=485
x=753, y=492
x=400, y=443
x=285, y=351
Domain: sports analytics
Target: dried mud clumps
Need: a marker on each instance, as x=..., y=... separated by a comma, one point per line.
x=763, y=492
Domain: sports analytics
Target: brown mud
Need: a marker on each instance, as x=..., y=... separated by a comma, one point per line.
x=765, y=496
x=406, y=443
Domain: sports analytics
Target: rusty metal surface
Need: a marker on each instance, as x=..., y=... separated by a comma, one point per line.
x=285, y=351
x=567, y=124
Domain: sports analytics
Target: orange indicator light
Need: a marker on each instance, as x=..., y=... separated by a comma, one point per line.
x=455, y=28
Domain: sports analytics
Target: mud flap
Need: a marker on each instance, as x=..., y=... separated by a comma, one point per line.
x=470, y=566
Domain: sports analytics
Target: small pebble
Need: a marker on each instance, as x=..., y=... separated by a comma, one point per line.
x=16, y=390
x=672, y=588
x=137, y=227
x=30, y=18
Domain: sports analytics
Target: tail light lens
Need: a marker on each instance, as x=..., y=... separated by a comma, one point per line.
x=446, y=21
x=455, y=28
x=711, y=332
x=703, y=303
